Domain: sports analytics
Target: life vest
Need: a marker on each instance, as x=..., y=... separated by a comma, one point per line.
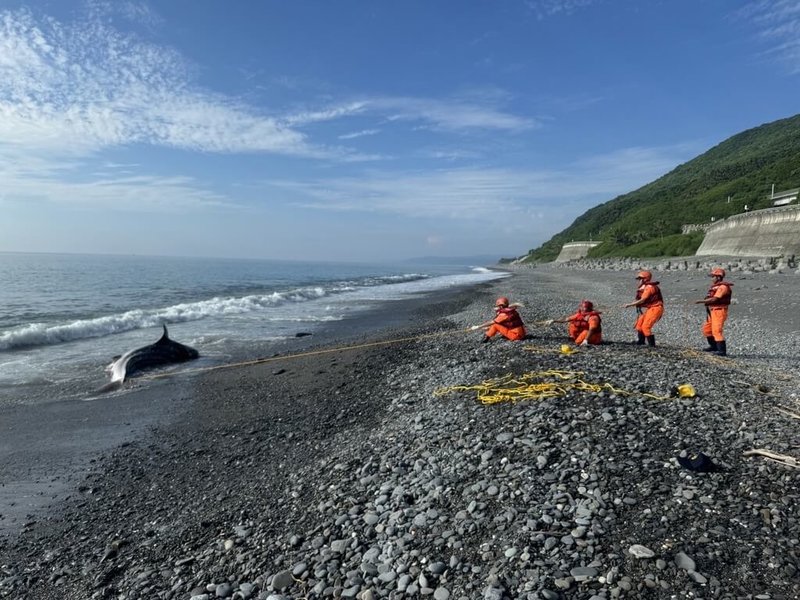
x=581, y=320
x=655, y=298
x=512, y=319
x=724, y=300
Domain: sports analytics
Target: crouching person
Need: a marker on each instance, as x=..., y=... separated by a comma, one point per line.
x=585, y=326
x=506, y=322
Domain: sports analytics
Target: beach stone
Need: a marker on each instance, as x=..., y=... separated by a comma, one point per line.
x=640, y=551
x=441, y=593
x=351, y=592
x=282, y=579
x=684, y=562
x=698, y=577
x=583, y=573
x=437, y=568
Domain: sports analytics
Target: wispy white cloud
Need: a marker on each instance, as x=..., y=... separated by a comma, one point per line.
x=329, y=114
x=140, y=12
x=496, y=196
x=451, y=114
x=80, y=87
x=358, y=134
x=76, y=88
x=450, y=154
x=548, y=8
x=778, y=26
x=473, y=110
x=145, y=194
x=101, y=184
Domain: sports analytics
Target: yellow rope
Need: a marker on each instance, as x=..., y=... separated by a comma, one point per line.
x=259, y=361
x=535, y=386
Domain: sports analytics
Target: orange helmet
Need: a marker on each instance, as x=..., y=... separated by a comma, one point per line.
x=646, y=275
x=717, y=272
x=502, y=301
x=587, y=305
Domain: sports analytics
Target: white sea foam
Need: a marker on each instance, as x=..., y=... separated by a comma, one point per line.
x=41, y=334
x=381, y=287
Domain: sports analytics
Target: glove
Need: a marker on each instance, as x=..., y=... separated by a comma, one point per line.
x=474, y=327
x=585, y=343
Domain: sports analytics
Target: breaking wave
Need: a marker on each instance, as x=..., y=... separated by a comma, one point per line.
x=45, y=334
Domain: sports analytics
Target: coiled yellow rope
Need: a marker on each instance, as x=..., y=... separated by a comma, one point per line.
x=536, y=386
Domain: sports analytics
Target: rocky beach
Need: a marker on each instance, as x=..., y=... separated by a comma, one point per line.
x=361, y=472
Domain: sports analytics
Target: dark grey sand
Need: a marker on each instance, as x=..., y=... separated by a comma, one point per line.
x=341, y=475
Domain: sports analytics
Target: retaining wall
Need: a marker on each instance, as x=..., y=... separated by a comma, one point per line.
x=575, y=250
x=767, y=232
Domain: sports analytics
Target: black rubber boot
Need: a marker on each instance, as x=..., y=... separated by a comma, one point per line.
x=485, y=339
x=712, y=344
x=651, y=341
x=722, y=348
x=641, y=339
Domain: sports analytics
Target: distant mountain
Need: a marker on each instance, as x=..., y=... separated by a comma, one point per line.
x=647, y=222
x=480, y=260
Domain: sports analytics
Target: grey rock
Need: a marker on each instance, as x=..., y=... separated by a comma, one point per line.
x=282, y=579
x=441, y=593
x=640, y=551
x=684, y=562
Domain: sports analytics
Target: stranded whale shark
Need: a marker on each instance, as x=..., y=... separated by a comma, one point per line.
x=164, y=352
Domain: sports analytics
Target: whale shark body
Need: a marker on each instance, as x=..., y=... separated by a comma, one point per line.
x=164, y=352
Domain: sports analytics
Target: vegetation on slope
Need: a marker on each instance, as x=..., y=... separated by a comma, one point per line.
x=647, y=222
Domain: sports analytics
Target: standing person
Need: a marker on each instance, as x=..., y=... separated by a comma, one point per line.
x=506, y=322
x=649, y=306
x=717, y=301
x=585, y=326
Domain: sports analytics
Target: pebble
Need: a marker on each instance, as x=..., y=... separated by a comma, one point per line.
x=640, y=551
x=684, y=562
x=373, y=496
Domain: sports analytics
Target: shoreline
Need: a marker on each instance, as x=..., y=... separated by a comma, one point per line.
x=341, y=475
x=39, y=469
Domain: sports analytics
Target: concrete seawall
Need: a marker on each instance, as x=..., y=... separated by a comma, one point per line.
x=767, y=232
x=575, y=250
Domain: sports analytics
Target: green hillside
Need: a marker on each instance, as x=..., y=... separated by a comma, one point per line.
x=647, y=222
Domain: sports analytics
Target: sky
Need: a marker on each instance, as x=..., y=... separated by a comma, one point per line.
x=364, y=131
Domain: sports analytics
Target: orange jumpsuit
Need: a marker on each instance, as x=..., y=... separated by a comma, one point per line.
x=717, y=310
x=507, y=323
x=587, y=327
x=653, y=307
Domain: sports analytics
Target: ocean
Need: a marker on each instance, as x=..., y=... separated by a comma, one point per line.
x=64, y=317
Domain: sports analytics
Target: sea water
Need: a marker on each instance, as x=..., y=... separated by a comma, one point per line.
x=64, y=317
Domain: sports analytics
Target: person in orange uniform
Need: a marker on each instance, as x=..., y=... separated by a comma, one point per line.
x=506, y=322
x=585, y=326
x=649, y=305
x=717, y=301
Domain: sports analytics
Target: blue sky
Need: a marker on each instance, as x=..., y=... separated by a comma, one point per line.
x=372, y=130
